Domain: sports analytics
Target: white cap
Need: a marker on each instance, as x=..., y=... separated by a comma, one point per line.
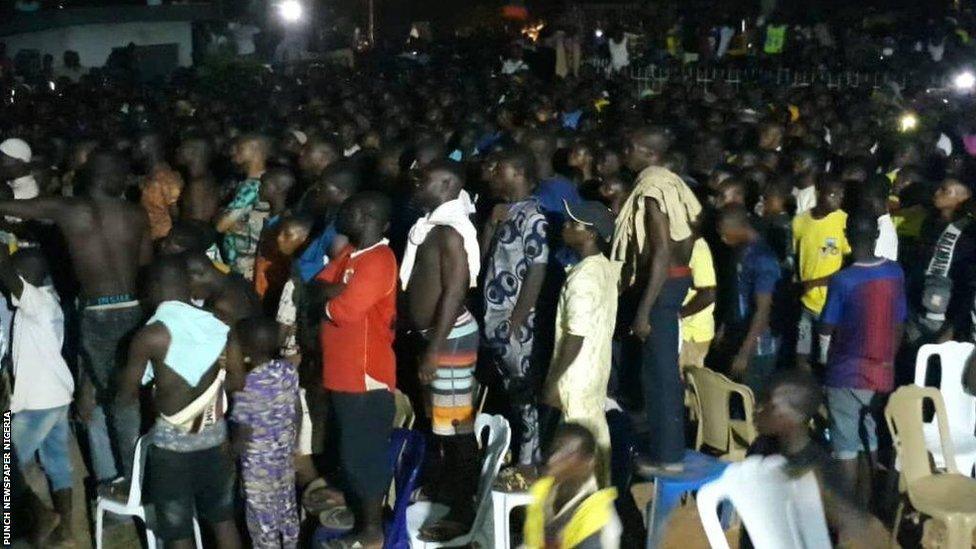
x=16, y=148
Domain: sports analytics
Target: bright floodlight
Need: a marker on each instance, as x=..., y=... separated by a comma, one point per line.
x=964, y=81
x=599, y=33
x=290, y=10
x=908, y=122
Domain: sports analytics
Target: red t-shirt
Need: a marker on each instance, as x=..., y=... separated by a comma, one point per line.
x=358, y=329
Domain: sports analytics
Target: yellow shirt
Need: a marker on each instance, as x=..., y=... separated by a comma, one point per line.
x=588, y=308
x=700, y=327
x=820, y=245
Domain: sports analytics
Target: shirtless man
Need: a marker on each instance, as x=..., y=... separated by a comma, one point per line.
x=109, y=240
x=441, y=263
x=200, y=200
x=654, y=239
x=188, y=466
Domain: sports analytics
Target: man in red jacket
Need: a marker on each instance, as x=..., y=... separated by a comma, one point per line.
x=358, y=364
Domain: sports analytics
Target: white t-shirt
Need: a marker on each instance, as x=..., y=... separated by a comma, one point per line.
x=806, y=199
x=41, y=376
x=887, y=244
x=24, y=188
x=619, y=56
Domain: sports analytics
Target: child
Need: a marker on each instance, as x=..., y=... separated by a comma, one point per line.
x=820, y=246
x=265, y=415
x=567, y=509
x=580, y=370
x=782, y=420
x=43, y=385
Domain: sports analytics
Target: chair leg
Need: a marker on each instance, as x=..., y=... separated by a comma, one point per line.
x=99, y=525
x=897, y=524
x=196, y=533
x=959, y=533
x=150, y=539
x=498, y=516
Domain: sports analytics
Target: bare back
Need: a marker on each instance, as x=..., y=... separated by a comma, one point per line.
x=200, y=200
x=108, y=240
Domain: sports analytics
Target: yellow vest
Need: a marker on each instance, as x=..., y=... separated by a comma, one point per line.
x=589, y=518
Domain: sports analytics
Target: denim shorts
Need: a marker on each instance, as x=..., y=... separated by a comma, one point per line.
x=807, y=332
x=46, y=433
x=854, y=421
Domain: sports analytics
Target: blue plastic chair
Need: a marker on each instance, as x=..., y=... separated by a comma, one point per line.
x=699, y=469
x=407, y=449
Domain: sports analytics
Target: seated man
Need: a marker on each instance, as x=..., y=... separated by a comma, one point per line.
x=568, y=510
x=188, y=467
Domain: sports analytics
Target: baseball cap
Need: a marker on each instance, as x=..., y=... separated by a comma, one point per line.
x=592, y=214
x=16, y=148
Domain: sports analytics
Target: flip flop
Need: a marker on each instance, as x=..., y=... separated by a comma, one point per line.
x=337, y=518
x=442, y=530
x=343, y=543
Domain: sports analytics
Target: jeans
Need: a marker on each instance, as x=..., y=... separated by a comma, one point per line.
x=45, y=432
x=104, y=343
x=661, y=380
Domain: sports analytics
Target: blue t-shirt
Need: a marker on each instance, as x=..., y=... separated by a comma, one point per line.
x=757, y=272
x=864, y=304
x=313, y=259
x=551, y=194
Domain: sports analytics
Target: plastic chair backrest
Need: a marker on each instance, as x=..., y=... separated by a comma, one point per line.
x=499, y=438
x=138, y=462
x=404, y=416
x=905, y=422
x=713, y=391
x=406, y=471
x=786, y=512
x=953, y=357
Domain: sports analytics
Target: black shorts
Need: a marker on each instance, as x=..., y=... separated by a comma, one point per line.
x=180, y=485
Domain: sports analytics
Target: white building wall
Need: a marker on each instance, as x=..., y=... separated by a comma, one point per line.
x=94, y=43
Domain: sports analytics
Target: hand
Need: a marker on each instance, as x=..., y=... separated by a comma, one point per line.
x=551, y=396
x=516, y=323
x=427, y=370
x=641, y=329
x=498, y=214
x=739, y=366
x=85, y=400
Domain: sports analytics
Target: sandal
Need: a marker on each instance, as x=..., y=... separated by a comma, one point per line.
x=337, y=519
x=442, y=531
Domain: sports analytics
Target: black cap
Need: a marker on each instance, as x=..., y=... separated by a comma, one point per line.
x=592, y=214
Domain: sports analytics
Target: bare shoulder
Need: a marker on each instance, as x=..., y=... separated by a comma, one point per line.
x=446, y=236
x=153, y=339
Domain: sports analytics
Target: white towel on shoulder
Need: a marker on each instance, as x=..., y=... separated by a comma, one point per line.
x=455, y=214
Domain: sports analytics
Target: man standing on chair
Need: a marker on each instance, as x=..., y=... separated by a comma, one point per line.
x=441, y=263
x=188, y=465
x=653, y=239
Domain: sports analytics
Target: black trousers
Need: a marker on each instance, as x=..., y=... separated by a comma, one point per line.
x=364, y=422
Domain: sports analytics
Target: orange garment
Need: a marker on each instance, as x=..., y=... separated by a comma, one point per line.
x=160, y=192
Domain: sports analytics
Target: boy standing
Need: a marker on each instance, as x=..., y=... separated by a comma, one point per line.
x=862, y=326
x=585, y=321
x=265, y=418
x=820, y=246
x=698, y=311
x=42, y=382
x=746, y=334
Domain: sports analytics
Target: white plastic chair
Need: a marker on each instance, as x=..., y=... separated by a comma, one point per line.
x=423, y=512
x=502, y=504
x=132, y=506
x=960, y=406
x=785, y=512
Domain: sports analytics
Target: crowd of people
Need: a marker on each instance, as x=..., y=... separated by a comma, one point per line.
x=246, y=280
